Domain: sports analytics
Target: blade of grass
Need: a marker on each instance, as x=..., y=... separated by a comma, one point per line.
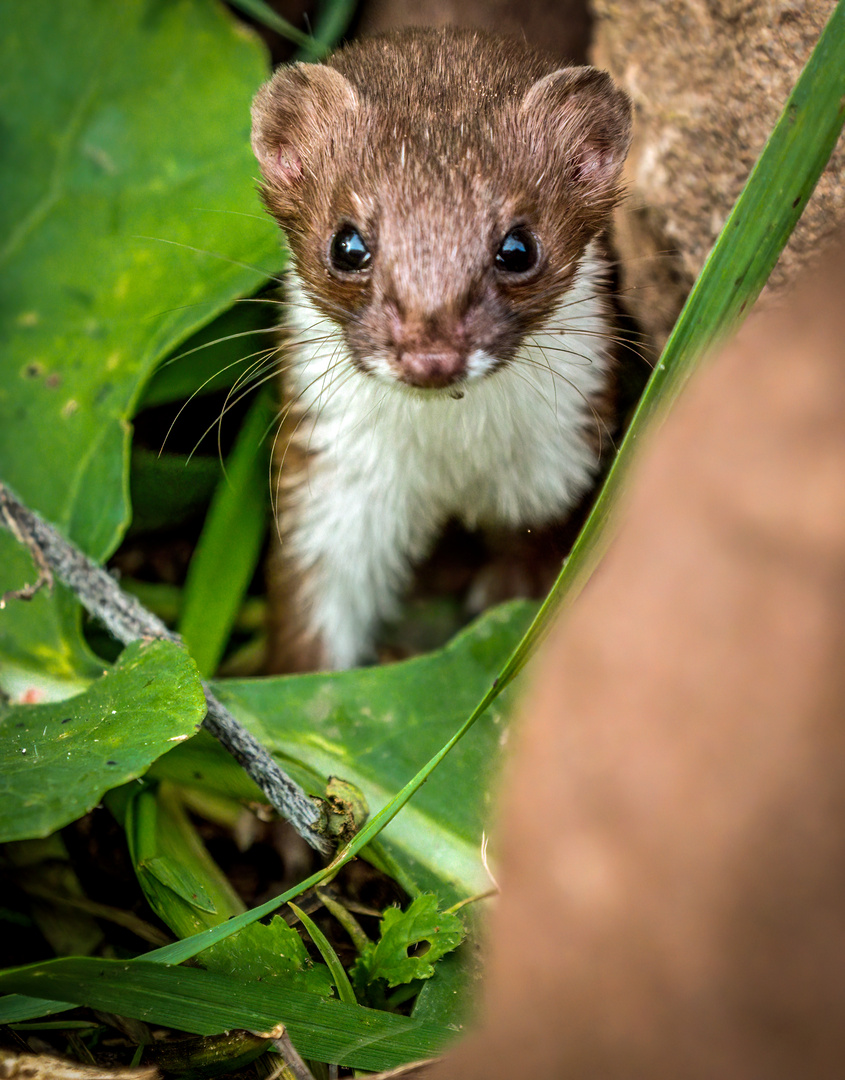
x=264, y=14
x=737, y=268
x=205, y=1003
x=228, y=549
x=341, y=982
x=331, y=24
x=332, y=21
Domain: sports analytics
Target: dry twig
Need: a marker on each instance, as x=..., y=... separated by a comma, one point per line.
x=127, y=620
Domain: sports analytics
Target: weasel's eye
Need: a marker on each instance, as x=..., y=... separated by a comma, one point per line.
x=348, y=252
x=517, y=252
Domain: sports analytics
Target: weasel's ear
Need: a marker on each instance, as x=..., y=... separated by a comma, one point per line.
x=580, y=112
x=293, y=116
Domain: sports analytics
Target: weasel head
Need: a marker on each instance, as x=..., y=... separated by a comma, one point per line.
x=438, y=189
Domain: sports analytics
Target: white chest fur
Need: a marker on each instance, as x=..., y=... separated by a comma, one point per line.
x=391, y=466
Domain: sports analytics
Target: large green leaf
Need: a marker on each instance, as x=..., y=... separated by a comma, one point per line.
x=375, y=727
x=57, y=760
x=128, y=219
x=204, y=1002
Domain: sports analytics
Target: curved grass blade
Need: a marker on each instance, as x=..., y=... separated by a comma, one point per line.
x=332, y=21
x=264, y=14
x=341, y=982
x=737, y=268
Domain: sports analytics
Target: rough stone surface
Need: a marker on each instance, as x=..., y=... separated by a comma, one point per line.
x=708, y=79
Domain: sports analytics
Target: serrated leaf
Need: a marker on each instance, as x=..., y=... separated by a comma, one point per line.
x=421, y=923
x=57, y=760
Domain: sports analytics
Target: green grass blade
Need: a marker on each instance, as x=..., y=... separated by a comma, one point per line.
x=341, y=982
x=17, y=1007
x=206, y=1003
x=264, y=14
x=736, y=270
x=334, y=16
x=230, y=545
x=332, y=22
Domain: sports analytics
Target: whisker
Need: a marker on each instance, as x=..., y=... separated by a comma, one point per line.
x=549, y=366
x=335, y=366
x=537, y=389
x=232, y=213
x=198, y=391
x=261, y=271
x=228, y=405
x=337, y=370
x=259, y=372
x=610, y=338
x=219, y=341
x=601, y=425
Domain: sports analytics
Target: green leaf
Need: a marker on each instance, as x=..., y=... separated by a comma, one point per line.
x=375, y=727
x=388, y=958
x=169, y=489
x=227, y=553
x=272, y=952
x=182, y=883
x=189, y=892
x=453, y=994
x=128, y=219
x=205, y=1003
x=17, y=1007
x=57, y=760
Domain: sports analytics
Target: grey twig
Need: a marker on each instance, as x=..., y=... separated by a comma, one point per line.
x=292, y=1067
x=127, y=620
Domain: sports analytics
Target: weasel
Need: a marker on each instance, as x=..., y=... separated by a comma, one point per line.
x=443, y=193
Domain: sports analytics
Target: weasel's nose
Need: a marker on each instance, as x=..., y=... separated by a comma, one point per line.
x=431, y=370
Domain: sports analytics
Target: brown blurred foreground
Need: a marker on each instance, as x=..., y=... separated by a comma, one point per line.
x=673, y=831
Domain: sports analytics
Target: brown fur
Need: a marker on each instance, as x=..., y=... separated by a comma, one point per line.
x=560, y=135
x=425, y=135
x=521, y=112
